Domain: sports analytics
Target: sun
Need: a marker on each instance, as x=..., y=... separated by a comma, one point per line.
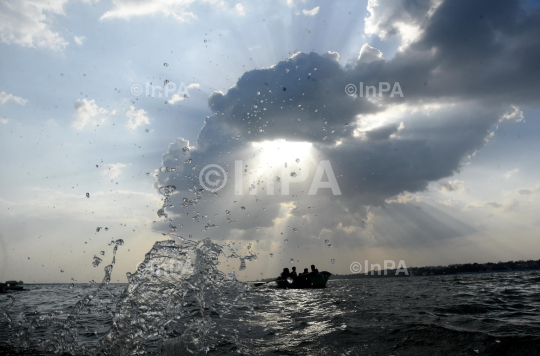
x=273, y=154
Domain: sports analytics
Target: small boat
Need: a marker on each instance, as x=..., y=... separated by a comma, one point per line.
x=300, y=282
x=11, y=285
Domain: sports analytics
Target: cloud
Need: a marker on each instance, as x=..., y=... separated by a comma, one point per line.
x=384, y=132
x=438, y=63
x=4, y=98
x=516, y=115
x=176, y=97
x=287, y=118
x=79, y=40
x=240, y=9
x=509, y=174
x=404, y=19
x=88, y=113
x=113, y=170
x=369, y=54
x=451, y=186
x=290, y=3
x=528, y=191
x=311, y=12
x=136, y=118
x=27, y=23
x=490, y=204
x=178, y=9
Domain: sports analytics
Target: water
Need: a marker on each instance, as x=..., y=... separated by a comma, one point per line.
x=487, y=314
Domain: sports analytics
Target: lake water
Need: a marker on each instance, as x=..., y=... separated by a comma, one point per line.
x=489, y=314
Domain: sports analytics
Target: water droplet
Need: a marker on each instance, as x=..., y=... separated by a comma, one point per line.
x=271, y=254
x=333, y=260
x=327, y=242
x=102, y=253
x=98, y=229
x=88, y=195
x=243, y=208
x=62, y=271
x=294, y=229
x=96, y=261
x=119, y=242
x=106, y=229
x=185, y=150
x=147, y=130
x=227, y=212
x=291, y=260
x=258, y=93
x=165, y=65
x=293, y=174
x=298, y=160
x=286, y=241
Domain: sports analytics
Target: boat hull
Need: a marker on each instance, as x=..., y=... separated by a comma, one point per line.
x=299, y=282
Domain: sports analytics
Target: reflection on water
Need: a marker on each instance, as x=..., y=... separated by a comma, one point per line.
x=488, y=313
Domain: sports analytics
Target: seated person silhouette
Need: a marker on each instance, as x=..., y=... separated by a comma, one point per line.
x=293, y=273
x=285, y=274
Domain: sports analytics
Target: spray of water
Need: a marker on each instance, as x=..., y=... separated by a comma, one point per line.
x=176, y=296
x=174, y=301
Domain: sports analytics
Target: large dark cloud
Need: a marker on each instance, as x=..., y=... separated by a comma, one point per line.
x=486, y=50
x=301, y=99
x=470, y=62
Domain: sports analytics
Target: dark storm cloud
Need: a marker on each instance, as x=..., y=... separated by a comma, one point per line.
x=383, y=133
x=301, y=99
x=471, y=61
x=484, y=50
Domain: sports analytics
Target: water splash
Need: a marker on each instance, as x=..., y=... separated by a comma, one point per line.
x=176, y=297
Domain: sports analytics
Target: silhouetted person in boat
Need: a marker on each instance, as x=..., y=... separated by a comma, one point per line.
x=293, y=273
x=285, y=274
x=303, y=278
x=314, y=270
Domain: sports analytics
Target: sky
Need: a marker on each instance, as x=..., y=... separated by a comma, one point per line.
x=111, y=111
